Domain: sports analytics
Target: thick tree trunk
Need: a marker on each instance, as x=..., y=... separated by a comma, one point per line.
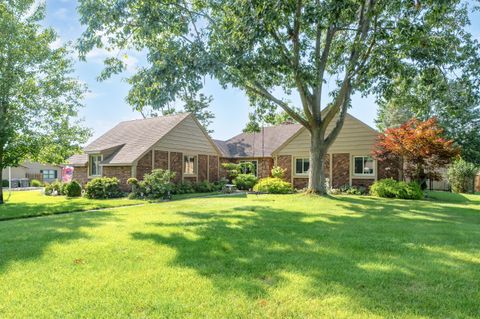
x=316, y=175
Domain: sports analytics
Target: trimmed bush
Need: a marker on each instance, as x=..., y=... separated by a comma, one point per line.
x=384, y=188
x=73, y=189
x=35, y=183
x=203, y=187
x=245, y=181
x=390, y=188
x=183, y=188
x=103, y=187
x=55, y=188
x=461, y=176
x=273, y=185
x=278, y=172
x=156, y=185
x=4, y=183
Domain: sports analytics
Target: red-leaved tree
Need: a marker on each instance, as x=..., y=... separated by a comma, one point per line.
x=420, y=147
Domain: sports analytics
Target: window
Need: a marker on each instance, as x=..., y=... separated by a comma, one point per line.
x=247, y=170
x=363, y=165
x=94, y=167
x=302, y=165
x=190, y=165
x=49, y=174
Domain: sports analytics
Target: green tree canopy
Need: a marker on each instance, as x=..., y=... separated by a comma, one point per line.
x=271, y=49
x=38, y=97
x=454, y=102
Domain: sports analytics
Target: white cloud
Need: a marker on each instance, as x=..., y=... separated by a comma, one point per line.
x=56, y=44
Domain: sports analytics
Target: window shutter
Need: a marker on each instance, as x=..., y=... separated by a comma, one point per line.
x=55, y=174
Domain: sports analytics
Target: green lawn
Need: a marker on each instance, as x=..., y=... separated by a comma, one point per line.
x=291, y=256
x=34, y=203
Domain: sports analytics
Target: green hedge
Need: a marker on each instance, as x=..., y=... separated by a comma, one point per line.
x=103, y=187
x=390, y=188
x=273, y=185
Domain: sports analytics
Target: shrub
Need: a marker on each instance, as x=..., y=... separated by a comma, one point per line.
x=155, y=185
x=73, y=189
x=356, y=190
x=384, y=188
x=278, y=172
x=232, y=170
x=132, y=181
x=183, y=188
x=4, y=183
x=461, y=176
x=410, y=190
x=203, y=187
x=55, y=188
x=245, y=181
x=273, y=185
x=103, y=187
x=35, y=183
x=390, y=188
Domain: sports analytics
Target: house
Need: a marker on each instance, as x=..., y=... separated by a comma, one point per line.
x=348, y=162
x=133, y=148
x=179, y=143
x=34, y=170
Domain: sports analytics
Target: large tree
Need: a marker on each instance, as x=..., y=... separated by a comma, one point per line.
x=273, y=49
x=38, y=98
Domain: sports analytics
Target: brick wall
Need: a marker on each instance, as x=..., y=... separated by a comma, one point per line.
x=191, y=179
x=285, y=162
x=213, y=169
x=202, y=168
x=80, y=174
x=300, y=183
x=176, y=165
x=123, y=173
x=160, y=160
x=144, y=165
x=357, y=182
x=340, y=170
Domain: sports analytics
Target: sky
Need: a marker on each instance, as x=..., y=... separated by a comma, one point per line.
x=105, y=104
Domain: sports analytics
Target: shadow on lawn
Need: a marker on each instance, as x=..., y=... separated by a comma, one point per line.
x=412, y=265
x=23, y=240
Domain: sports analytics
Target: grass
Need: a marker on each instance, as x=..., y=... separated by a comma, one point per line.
x=22, y=204
x=291, y=256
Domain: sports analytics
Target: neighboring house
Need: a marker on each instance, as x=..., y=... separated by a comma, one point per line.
x=179, y=143
x=34, y=170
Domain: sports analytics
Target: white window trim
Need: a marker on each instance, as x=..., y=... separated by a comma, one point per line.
x=295, y=166
x=100, y=168
x=195, y=168
x=363, y=174
x=251, y=161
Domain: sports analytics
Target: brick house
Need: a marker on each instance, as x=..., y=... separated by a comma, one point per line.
x=179, y=143
x=133, y=148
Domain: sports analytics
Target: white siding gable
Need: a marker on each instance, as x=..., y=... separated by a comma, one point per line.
x=187, y=137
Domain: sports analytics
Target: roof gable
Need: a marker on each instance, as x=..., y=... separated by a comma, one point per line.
x=131, y=139
x=261, y=144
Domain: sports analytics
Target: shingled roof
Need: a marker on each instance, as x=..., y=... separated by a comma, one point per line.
x=257, y=144
x=131, y=139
